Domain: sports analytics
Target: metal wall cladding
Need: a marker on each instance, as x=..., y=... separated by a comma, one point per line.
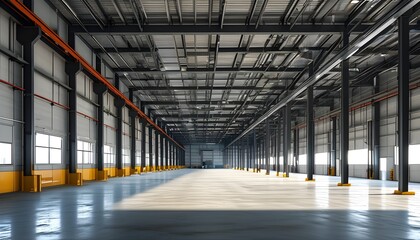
x=85, y=51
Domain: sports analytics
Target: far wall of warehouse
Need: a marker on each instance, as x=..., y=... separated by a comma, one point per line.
x=196, y=153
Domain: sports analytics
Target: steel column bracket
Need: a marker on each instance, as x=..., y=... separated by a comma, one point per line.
x=119, y=103
x=99, y=88
x=73, y=68
x=132, y=113
x=28, y=34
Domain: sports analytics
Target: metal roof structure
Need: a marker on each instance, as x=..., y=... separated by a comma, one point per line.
x=207, y=70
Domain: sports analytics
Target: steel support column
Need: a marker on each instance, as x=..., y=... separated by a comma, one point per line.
x=119, y=104
x=267, y=147
x=157, y=167
x=403, y=102
x=133, y=116
x=162, y=166
x=287, y=118
x=376, y=134
x=278, y=142
x=28, y=36
x=151, y=153
x=344, y=126
x=166, y=153
x=296, y=149
x=310, y=138
x=254, y=150
x=143, y=141
x=72, y=69
x=333, y=157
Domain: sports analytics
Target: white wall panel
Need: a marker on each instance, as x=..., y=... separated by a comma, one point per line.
x=46, y=13
x=60, y=120
x=43, y=111
x=84, y=50
x=4, y=30
x=6, y=133
x=43, y=58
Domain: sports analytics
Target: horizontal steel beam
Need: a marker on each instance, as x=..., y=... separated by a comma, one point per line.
x=218, y=115
x=209, y=70
x=309, y=29
x=172, y=103
x=205, y=51
x=205, y=88
x=170, y=123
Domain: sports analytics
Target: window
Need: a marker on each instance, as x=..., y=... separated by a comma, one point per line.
x=5, y=153
x=358, y=156
x=109, y=155
x=84, y=152
x=413, y=154
x=48, y=149
x=126, y=156
x=321, y=158
x=138, y=157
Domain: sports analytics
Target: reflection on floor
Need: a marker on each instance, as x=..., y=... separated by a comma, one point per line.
x=213, y=204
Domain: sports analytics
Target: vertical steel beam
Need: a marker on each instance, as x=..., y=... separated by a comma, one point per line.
x=100, y=89
x=296, y=149
x=376, y=134
x=133, y=115
x=151, y=153
x=333, y=153
x=254, y=150
x=166, y=153
x=310, y=133
x=162, y=148
x=344, y=126
x=157, y=150
x=27, y=36
x=119, y=104
x=72, y=69
x=403, y=101
x=176, y=156
x=278, y=142
x=143, y=140
x=267, y=147
x=310, y=138
x=287, y=138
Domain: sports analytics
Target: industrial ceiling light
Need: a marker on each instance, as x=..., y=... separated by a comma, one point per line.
x=355, y=1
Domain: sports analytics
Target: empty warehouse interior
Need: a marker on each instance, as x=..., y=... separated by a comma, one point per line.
x=206, y=119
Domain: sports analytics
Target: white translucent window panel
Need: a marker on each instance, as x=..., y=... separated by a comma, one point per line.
x=41, y=155
x=55, y=142
x=171, y=66
x=6, y=153
x=42, y=140
x=357, y=157
x=321, y=158
x=55, y=156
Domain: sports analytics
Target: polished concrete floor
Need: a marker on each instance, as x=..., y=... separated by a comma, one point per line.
x=213, y=204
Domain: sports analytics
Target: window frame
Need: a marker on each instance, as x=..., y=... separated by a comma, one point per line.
x=49, y=149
